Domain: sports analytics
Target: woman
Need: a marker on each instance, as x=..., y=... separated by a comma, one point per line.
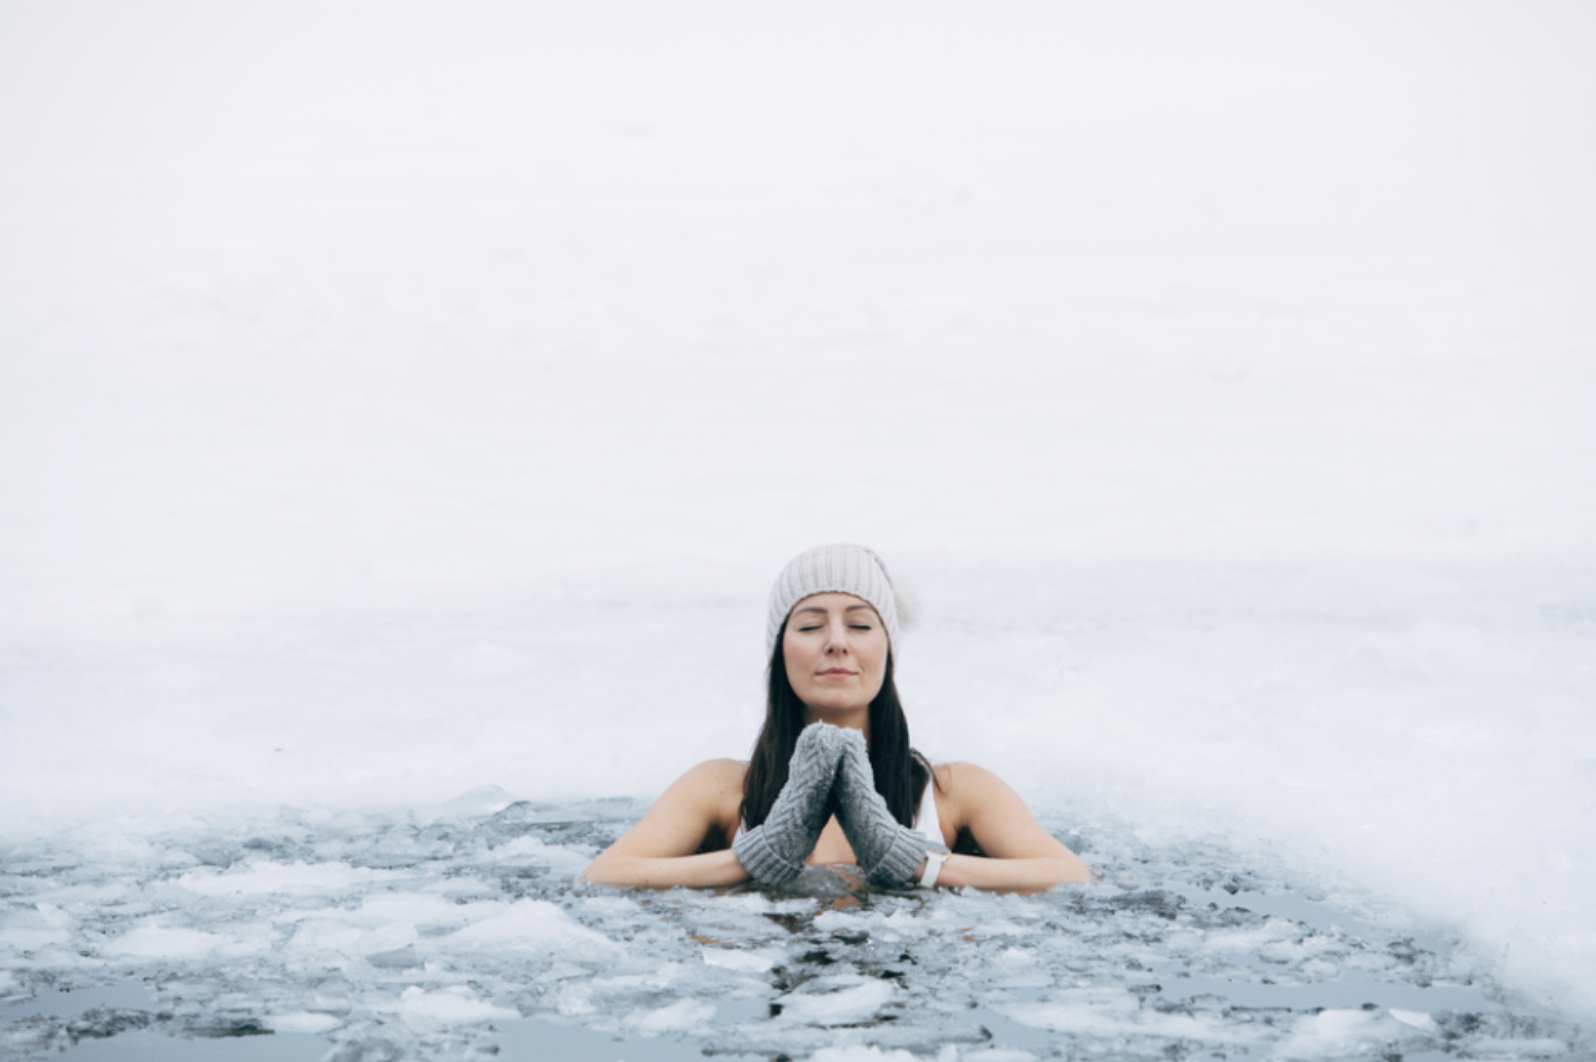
x=833, y=779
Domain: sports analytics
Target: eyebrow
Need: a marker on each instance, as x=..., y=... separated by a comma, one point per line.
x=817, y=608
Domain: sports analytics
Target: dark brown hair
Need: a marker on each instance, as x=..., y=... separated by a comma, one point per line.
x=901, y=772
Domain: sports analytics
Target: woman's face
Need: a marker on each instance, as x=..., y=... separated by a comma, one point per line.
x=835, y=648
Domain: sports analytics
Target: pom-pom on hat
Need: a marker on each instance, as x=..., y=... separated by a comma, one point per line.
x=841, y=568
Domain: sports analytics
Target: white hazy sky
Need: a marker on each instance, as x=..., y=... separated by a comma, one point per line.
x=304, y=295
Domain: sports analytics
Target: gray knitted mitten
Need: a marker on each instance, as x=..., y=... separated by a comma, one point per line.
x=888, y=852
x=773, y=852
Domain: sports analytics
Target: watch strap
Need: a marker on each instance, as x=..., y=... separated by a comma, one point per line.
x=933, y=867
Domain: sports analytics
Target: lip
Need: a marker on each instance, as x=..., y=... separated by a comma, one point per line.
x=838, y=672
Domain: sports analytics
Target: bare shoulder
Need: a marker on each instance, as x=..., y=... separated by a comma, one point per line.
x=699, y=807
x=969, y=794
x=959, y=778
x=721, y=770
x=996, y=817
x=713, y=783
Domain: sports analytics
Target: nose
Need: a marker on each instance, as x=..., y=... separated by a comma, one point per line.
x=838, y=640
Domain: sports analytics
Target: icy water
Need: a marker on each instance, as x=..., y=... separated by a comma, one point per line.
x=381, y=938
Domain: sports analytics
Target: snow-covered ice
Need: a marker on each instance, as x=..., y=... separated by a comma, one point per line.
x=402, y=414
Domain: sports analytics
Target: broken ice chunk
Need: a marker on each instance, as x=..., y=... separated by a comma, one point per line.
x=426, y=1012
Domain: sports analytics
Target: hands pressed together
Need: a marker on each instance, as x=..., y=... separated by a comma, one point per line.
x=830, y=773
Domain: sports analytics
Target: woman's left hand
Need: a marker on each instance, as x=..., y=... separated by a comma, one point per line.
x=890, y=853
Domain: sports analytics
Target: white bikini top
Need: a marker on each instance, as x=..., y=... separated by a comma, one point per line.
x=928, y=823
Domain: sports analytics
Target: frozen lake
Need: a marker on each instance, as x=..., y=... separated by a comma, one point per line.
x=365, y=937
x=1285, y=773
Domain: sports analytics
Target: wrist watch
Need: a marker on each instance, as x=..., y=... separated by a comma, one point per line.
x=933, y=867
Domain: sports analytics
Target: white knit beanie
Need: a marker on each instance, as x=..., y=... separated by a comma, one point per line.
x=840, y=568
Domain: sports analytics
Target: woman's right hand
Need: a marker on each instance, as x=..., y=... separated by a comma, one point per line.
x=774, y=852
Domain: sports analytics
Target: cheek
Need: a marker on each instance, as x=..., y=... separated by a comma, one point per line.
x=792, y=655
x=878, y=663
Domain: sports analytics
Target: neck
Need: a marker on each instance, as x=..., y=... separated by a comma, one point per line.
x=848, y=718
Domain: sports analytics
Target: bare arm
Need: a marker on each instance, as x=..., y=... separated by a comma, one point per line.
x=1022, y=856
x=662, y=849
